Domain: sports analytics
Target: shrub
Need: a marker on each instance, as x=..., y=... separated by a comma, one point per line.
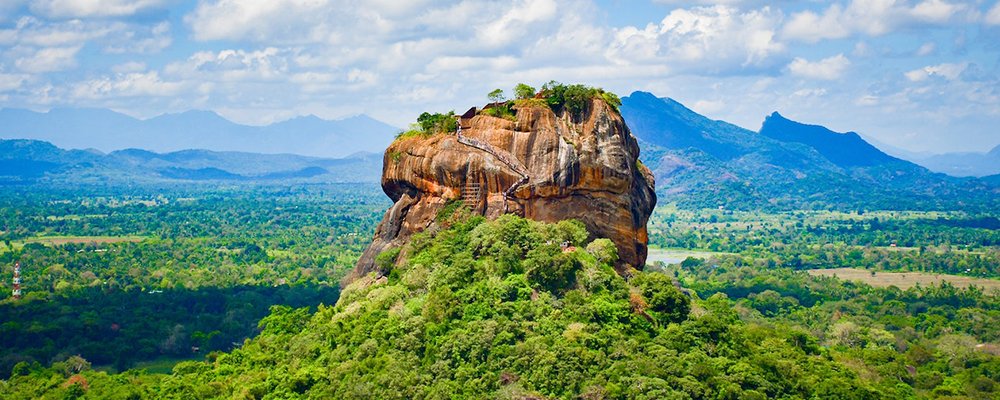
x=576, y=98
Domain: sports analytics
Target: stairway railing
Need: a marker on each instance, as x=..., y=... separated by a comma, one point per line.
x=504, y=157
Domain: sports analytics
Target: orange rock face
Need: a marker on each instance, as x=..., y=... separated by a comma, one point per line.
x=544, y=166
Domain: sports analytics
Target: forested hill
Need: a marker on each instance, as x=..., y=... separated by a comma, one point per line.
x=699, y=162
x=32, y=161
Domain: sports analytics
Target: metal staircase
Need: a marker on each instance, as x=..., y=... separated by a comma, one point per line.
x=506, y=158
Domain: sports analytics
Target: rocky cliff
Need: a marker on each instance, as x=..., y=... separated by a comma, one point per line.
x=540, y=164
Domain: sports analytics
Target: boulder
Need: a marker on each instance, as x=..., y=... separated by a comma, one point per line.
x=543, y=164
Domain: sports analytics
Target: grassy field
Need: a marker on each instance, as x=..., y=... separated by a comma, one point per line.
x=160, y=365
x=60, y=240
x=905, y=280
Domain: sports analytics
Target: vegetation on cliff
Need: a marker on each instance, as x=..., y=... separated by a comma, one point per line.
x=574, y=98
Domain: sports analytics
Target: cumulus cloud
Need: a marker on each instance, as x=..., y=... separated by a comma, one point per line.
x=718, y=38
x=826, y=69
x=511, y=25
x=993, y=15
x=868, y=17
x=126, y=85
x=142, y=41
x=10, y=82
x=48, y=60
x=926, y=49
x=92, y=8
x=130, y=66
x=267, y=64
x=278, y=20
x=947, y=71
x=708, y=107
x=35, y=32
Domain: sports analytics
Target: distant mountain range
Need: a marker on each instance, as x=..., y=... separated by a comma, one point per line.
x=24, y=161
x=108, y=130
x=962, y=164
x=785, y=165
x=697, y=161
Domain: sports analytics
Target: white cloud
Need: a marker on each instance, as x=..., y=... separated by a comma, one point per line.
x=808, y=26
x=131, y=66
x=809, y=93
x=283, y=21
x=35, y=32
x=867, y=100
x=512, y=25
x=935, y=11
x=142, y=41
x=993, y=15
x=269, y=64
x=709, y=39
x=826, y=69
x=868, y=17
x=126, y=85
x=926, y=49
x=48, y=60
x=8, y=9
x=708, y=107
x=10, y=82
x=92, y=8
x=947, y=71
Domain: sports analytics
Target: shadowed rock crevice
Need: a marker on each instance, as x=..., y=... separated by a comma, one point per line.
x=558, y=166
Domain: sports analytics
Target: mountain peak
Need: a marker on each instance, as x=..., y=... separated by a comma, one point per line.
x=844, y=149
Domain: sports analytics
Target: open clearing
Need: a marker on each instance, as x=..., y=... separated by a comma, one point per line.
x=906, y=280
x=60, y=240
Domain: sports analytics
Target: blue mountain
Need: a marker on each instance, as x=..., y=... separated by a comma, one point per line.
x=108, y=130
x=963, y=164
x=24, y=161
x=843, y=149
x=787, y=165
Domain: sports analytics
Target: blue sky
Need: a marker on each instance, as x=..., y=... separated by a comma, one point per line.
x=923, y=75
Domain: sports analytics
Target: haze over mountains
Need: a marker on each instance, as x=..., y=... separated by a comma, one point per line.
x=107, y=130
x=963, y=164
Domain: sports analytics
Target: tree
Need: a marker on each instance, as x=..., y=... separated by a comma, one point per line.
x=668, y=303
x=604, y=250
x=522, y=91
x=497, y=96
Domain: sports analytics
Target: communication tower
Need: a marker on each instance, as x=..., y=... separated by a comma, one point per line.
x=17, y=281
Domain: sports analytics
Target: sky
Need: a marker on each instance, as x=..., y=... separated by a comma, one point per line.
x=920, y=75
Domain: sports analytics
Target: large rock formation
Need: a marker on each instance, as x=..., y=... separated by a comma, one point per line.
x=543, y=165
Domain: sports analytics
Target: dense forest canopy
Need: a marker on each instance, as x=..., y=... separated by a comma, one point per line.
x=236, y=292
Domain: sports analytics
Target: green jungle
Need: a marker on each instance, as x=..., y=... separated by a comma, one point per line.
x=209, y=291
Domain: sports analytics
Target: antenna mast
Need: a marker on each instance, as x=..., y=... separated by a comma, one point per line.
x=17, y=281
